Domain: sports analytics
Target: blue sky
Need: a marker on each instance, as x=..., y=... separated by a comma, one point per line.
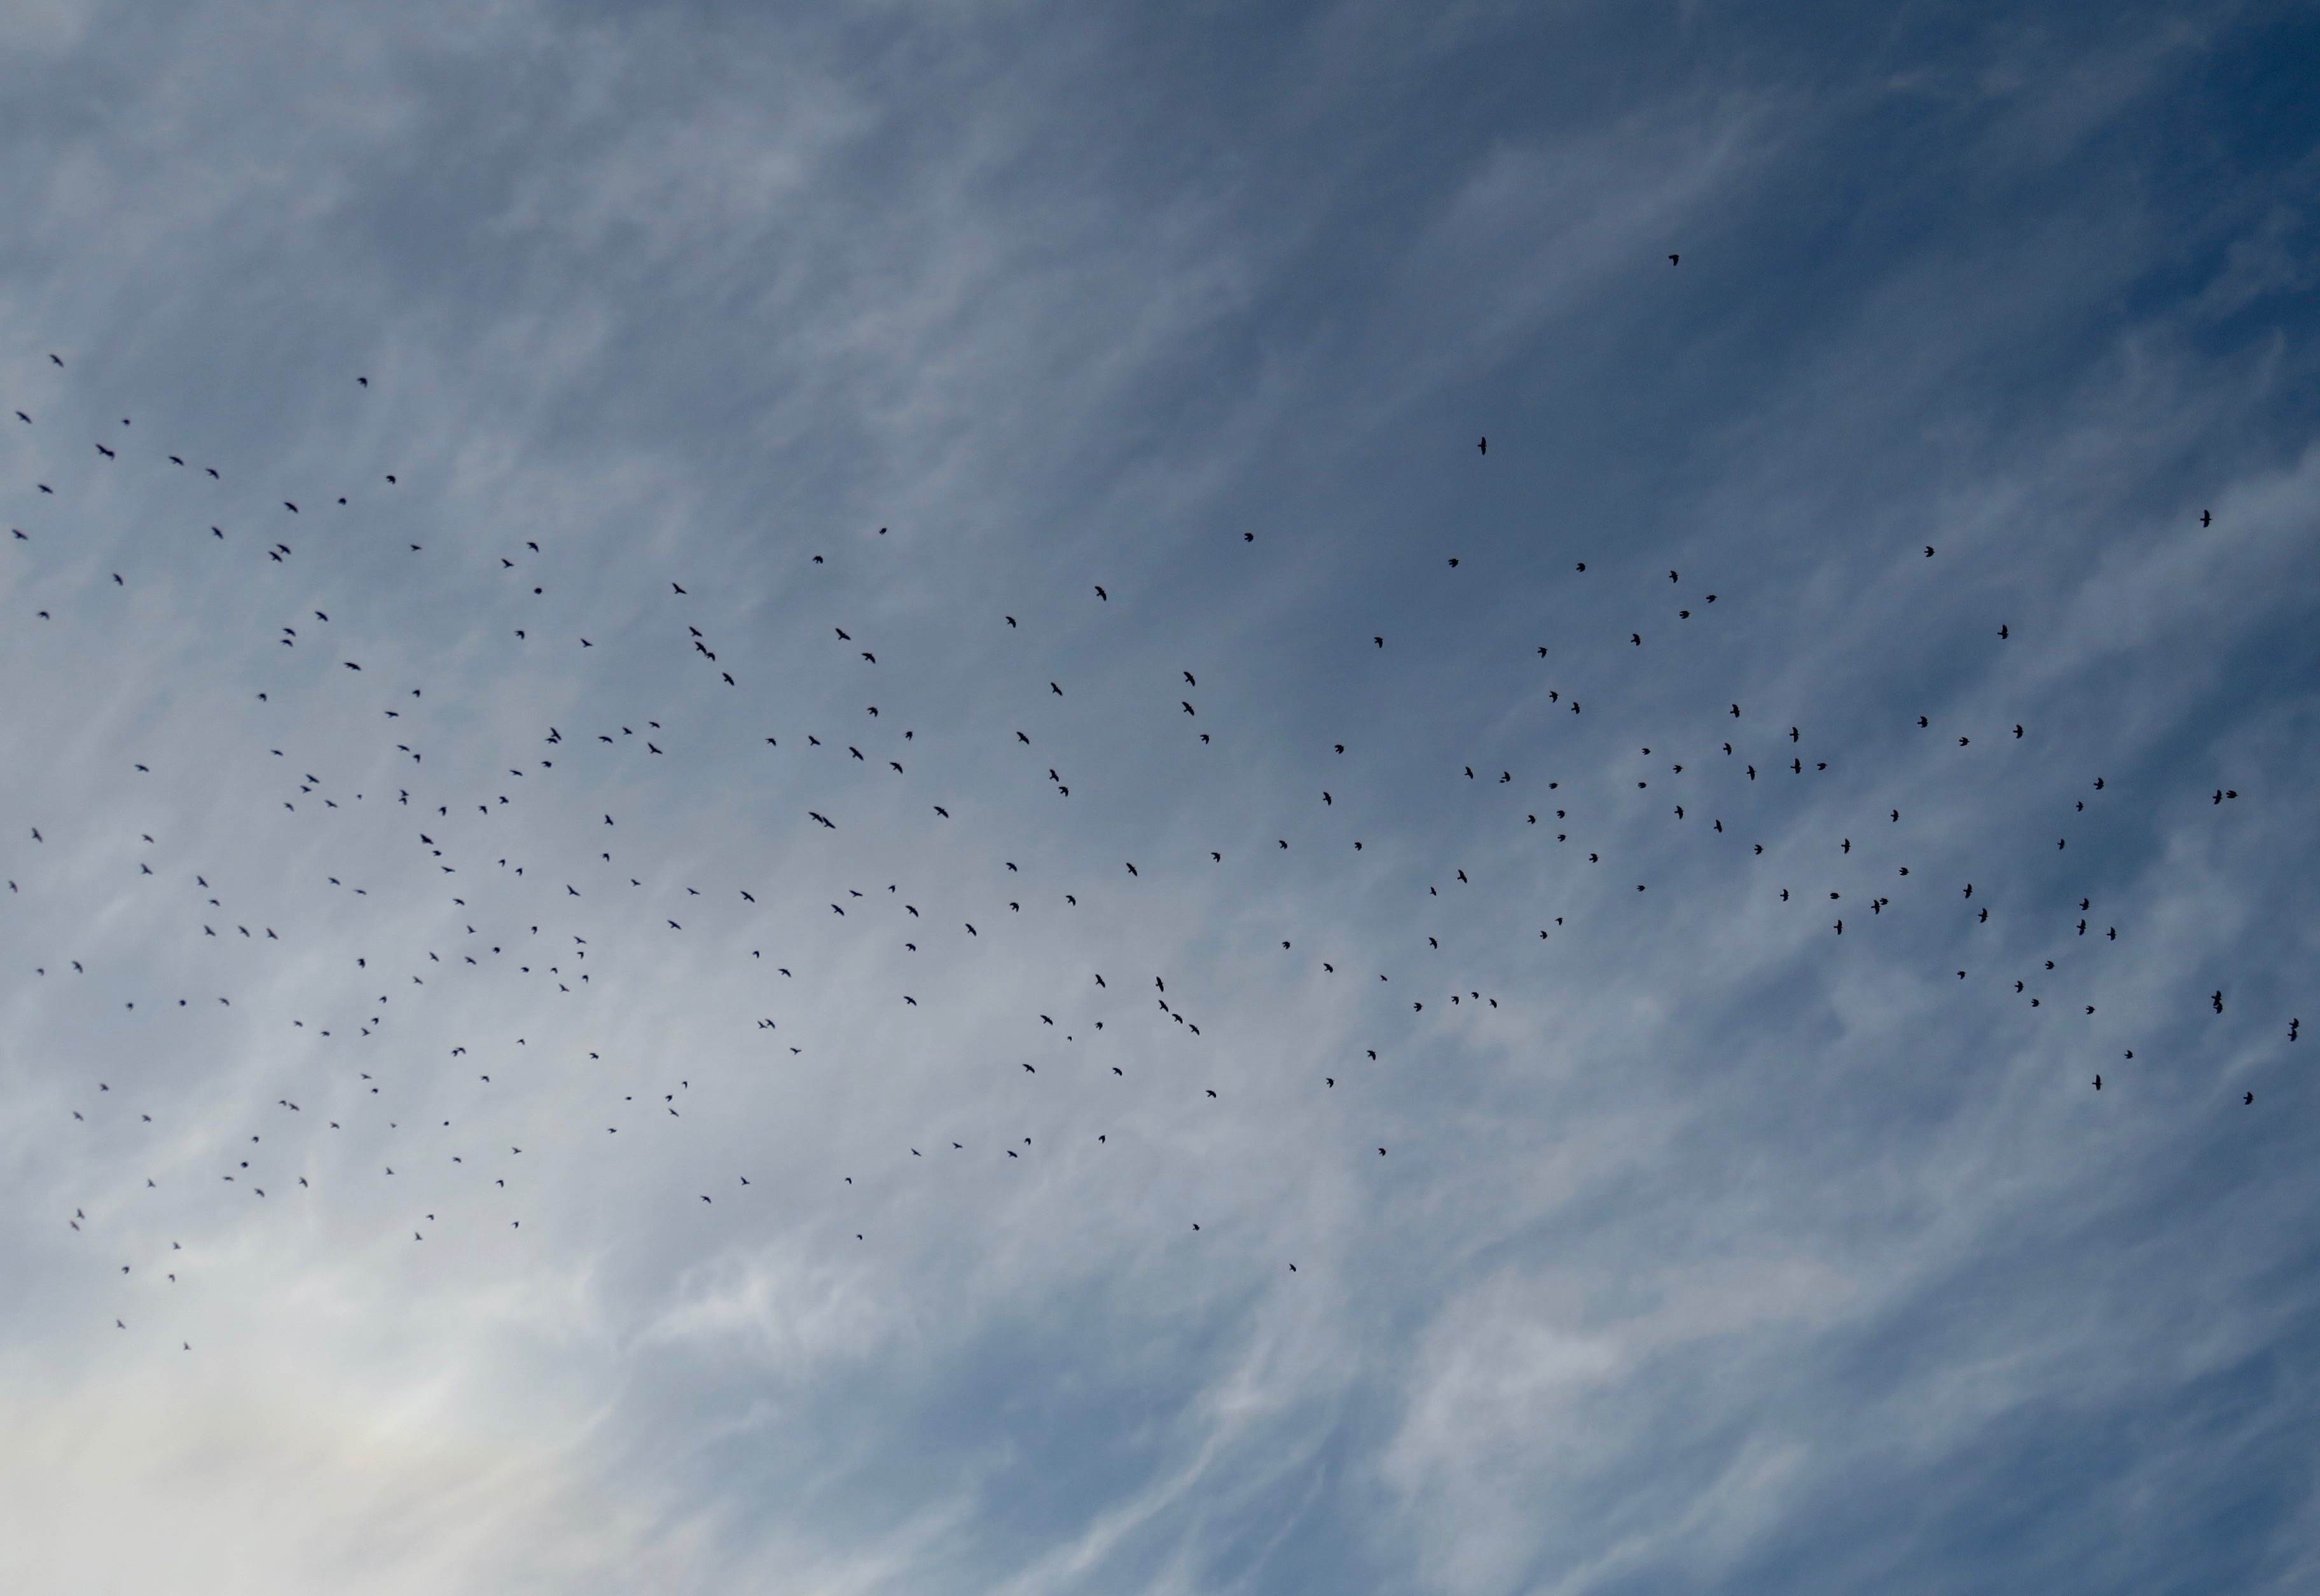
x=1114, y=377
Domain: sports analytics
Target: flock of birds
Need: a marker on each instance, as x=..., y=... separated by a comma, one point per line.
x=458, y=849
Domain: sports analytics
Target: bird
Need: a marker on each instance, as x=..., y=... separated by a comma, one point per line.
x=1673, y=260
x=2205, y=517
x=1482, y=446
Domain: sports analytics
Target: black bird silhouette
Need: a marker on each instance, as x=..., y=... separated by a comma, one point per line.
x=1101, y=593
x=1482, y=446
x=2206, y=518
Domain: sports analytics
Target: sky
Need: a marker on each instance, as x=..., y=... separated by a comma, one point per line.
x=789, y=808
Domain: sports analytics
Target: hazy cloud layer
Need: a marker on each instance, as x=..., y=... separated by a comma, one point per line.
x=1115, y=378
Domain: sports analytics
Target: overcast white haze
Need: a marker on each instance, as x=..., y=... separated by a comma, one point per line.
x=1520, y=1182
